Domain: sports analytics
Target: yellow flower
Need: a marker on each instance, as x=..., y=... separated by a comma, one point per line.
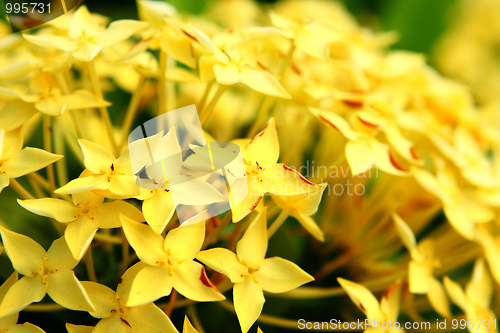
x=105, y=174
x=363, y=150
x=87, y=36
x=475, y=301
x=301, y=207
x=87, y=214
x=385, y=311
x=264, y=175
x=236, y=64
x=251, y=273
x=8, y=323
x=45, y=272
x=421, y=267
x=16, y=162
x=168, y=263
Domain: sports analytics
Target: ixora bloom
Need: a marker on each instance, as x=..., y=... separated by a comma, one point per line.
x=234, y=64
x=83, y=217
x=421, y=267
x=363, y=150
x=265, y=175
x=8, y=323
x=15, y=161
x=476, y=299
x=105, y=174
x=87, y=36
x=45, y=272
x=384, y=312
x=251, y=273
x=301, y=207
x=168, y=264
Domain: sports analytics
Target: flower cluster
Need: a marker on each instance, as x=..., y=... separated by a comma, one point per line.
x=299, y=81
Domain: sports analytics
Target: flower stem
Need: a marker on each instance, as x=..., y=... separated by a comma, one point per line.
x=214, y=235
x=162, y=102
x=108, y=238
x=125, y=254
x=191, y=312
x=47, y=145
x=89, y=263
x=61, y=165
x=132, y=109
x=205, y=114
x=203, y=100
x=278, y=222
x=171, y=302
x=103, y=110
x=44, y=308
x=20, y=189
x=262, y=115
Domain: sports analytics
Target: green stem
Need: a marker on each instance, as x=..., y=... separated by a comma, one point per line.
x=262, y=115
x=171, y=302
x=132, y=110
x=44, y=308
x=89, y=263
x=94, y=79
x=20, y=189
x=214, y=235
x=162, y=103
x=191, y=312
x=205, y=114
x=203, y=100
x=278, y=222
x=125, y=254
x=47, y=145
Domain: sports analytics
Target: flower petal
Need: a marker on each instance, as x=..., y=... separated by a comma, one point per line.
x=4, y=180
x=314, y=47
x=60, y=210
x=84, y=184
x=82, y=99
x=66, y=290
x=108, y=214
x=147, y=244
x=188, y=327
x=227, y=74
x=248, y=302
x=59, y=255
x=480, y=287
x=264, y=147
x=277, y=275
x=149, y=318
x=360, y=156
x=310, y=225
x=29, y=160
x=102, y=297
x=456, y=293
x=224, y=262
x=280, y=179
x=25, y=254
x=22, y=293
x=151, y=283
x=420, y=277
x=190, y=280
x=4, y=288
x=158, y=210
x=97, y=159
x=24, y=328
x=363, y=298
x=79, y=234
x=87, y=51
x=184, y=243
x=336, y=121
x=263, y=82
x=252, y=247
x=405, y=233
x=79, y=328
x=118, y=31
x=438, y=299
x=114, y=324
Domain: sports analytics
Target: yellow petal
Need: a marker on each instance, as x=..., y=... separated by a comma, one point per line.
x=113, y=324
x=252, y=247
x=102, y=297
x=335, y=121
x=264, y=147
x=79, y=328
x=29, y=160
x=403, y=146
x=108, y=214
x=23, y=293
x=24, y=328
x=184, y=243
x=82, y=99
x=456, y=293
x=188, y=328
x=82, y=21
x=60, y=210
x=4, y=180
x=141, y=292
x=155, y=12
x=206, y=194
x=248, y=301
x=280, y=179
x=386, y=159
x=420, y=277
x=360, y=156
x=147, y=244
x=118, y=31
x=363, y=298
x=305, y=42
x=404, y=232
x=25, y=254
x=87, y=199
x=85, y=184
x=460, y=221
x=248, y=204
x=97, y=159
x=87, y=51
x=227, y=74
x=66, y=290
x=306, y=204
x=263, y=82
x=480, y=287
x=277, y=275
x=310, y=225
x=15, y=113
x=4, y=288
x=127, y=279
x=178, y=47
x=389, y=305
x=158, y=210
x=149, y=318
x=206, y=64
x=438, y=299
x=190, y=280
x=59, y=255
x=79, y=234
x=224, y=262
